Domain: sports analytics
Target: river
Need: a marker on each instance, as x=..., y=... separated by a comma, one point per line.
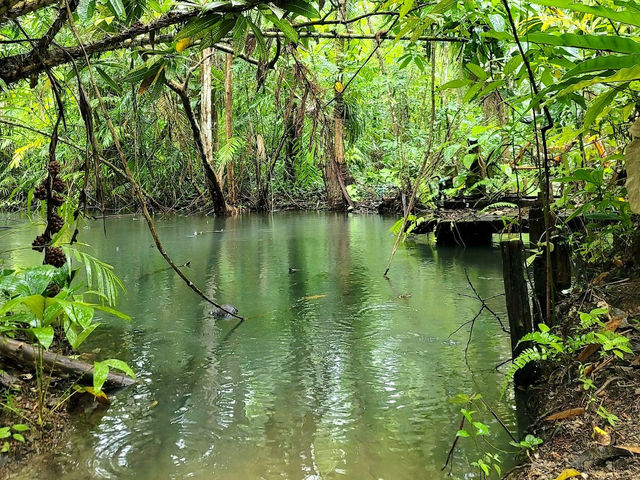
x=337, y=372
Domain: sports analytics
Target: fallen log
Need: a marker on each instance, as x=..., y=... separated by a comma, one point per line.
x=26, y=355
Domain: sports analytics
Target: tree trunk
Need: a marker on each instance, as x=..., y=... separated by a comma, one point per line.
x=27, y=355
x=290, y=150
x=206, y=111
x=336, y=170
x=228, y=123
x=217, y=197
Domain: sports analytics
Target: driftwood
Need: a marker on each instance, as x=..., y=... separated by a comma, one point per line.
x=25, y=355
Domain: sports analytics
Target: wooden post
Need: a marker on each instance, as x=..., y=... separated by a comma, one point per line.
x=536, y=235
x=561, y=265
x=517, y=296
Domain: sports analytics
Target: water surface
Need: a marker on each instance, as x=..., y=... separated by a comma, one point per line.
x=336, y=373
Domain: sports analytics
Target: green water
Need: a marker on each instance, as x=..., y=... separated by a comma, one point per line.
x=336, y=373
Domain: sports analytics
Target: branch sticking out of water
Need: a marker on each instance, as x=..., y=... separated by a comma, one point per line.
x=136, y=188
x=483, y=307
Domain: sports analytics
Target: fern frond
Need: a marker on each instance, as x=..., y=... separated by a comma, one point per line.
x=527, y=356
x=100, y=277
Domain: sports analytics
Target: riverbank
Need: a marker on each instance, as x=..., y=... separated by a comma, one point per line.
x=590, y=427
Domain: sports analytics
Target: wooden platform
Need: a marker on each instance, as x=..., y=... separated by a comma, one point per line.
x=467, y=227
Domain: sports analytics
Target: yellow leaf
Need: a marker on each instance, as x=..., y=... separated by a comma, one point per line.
x=313, y=297
x=601, y=436
x=150, y=80
x=20, y=153
x=182, y=44
x=568, y=473
x=100, y=396
x=339, y=87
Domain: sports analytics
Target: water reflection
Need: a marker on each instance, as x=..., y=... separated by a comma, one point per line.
x=336, y=373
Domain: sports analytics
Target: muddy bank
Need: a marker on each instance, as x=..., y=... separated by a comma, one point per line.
x=590, y=433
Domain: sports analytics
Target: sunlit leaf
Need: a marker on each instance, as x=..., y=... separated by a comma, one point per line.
x=44, y=335
x=100, y=374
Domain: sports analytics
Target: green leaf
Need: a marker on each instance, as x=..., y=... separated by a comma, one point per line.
x=44, y=335
x=598, y=105
x=407, y=5
x=477, y=70
x=481, y=428
x=108, y=80
x=491, y=86
x=300, y=7
x=118, y=8
x=197, y=27
x=215, y=5
x=623, y=16
x=261, y=45
x=603, y=62
x=5, y=432
x=76, y=335
x=86, y=8
x=100, y=374
x=112, y=311
x=220, y=29
x=458, y=83
x=138, y=74
x=610, y=43
x=513, y=63
x=20, y=427
x=36, y=304
x=468, y=160
x=284, y=26
x=497, y=22
x=18, y=437
x=623, y=75
x=239, y=34
x=472, y=92
x=37, y=279
x=120, y=365
x=79, y=313
x=462, y=433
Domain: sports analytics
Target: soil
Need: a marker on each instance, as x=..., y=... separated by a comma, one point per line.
x=19, y=391
x=575, y=443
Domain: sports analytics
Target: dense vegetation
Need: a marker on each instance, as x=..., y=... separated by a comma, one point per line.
x=229, y=106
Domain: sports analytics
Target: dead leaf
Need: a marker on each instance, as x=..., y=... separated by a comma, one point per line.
x=630, y=448
x=569, y=413
x=313, y=297
x=150, y=80
x=100, y=396
x=568, y=473
x=587, y=352
x=599, y=278
x=601, y=436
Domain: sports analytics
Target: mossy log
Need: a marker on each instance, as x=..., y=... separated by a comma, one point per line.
x=25, y=355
